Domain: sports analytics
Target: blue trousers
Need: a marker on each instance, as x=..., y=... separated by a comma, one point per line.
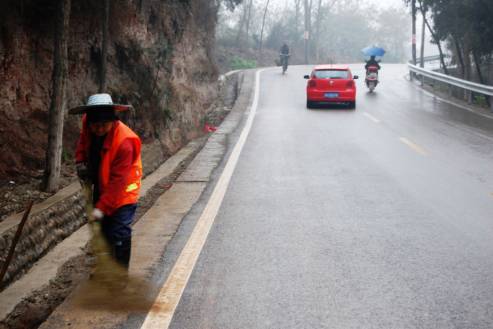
x=118, y=231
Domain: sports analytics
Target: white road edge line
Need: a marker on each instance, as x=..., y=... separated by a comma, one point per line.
x=371, y=117
x=169, y=296
x=415, y=147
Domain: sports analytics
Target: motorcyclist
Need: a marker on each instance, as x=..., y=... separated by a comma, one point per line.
x=372, y=62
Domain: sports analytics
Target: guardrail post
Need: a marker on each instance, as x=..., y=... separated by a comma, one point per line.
x=469, y=97
x=491, y=103
x=422, y=80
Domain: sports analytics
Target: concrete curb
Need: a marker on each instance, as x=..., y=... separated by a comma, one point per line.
x=47, y=267
x=53, y=220
x=160, y=223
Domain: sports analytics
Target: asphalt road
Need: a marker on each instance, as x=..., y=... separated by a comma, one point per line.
x=379, y=217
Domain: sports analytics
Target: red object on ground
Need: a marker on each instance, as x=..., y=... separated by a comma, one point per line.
x=331, y=84
x=209, y=129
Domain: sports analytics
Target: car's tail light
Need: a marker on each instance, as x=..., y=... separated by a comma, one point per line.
x=350, y=84
x=312, y=83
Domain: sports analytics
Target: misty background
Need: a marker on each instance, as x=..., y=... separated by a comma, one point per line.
x=338, y=29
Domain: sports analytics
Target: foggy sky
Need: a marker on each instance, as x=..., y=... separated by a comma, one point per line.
x=380, y=3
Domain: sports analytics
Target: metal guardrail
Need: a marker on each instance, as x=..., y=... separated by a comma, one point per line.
x=432, y=58
x=468, y=86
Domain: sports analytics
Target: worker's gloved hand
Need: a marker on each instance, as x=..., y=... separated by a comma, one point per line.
x=97, y=214
x=82, y=171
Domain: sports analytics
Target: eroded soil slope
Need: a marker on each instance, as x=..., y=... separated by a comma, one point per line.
x=159, y=61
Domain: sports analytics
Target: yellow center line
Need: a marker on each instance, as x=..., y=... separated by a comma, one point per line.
x=371, y=117
x=418, y=149
x=169, y=296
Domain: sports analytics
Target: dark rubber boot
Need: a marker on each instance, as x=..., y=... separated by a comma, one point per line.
x=122, y=251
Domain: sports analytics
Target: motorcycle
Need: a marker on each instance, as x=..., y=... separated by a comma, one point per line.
x=284, y=62
x=372, y=78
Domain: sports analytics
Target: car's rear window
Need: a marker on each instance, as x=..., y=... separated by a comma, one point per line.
x=331, y=74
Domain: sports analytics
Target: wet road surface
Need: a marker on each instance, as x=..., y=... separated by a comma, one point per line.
x=379, y=217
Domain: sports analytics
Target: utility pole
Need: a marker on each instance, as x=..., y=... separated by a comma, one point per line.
x=104, y=45
x=413, y=40
x=423, y=36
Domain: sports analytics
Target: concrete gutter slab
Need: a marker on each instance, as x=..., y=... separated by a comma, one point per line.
x=151, y=235
x=47, y=267
x=158, y=225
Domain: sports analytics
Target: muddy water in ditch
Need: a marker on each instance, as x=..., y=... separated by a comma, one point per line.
x=115, y=291
x=110, y=287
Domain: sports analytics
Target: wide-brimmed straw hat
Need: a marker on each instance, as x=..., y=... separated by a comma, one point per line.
x=99, y=101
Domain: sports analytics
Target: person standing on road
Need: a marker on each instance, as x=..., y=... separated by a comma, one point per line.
x=108, y=154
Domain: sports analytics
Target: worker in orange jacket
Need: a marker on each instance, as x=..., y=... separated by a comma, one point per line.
x=108, y=155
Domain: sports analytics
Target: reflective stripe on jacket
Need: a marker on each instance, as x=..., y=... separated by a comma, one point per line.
x=113, y=192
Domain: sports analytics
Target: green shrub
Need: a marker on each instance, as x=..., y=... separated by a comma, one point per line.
x=238, y=63
x=480, y=100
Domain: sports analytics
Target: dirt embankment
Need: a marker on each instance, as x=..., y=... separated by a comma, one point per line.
x=159, y=61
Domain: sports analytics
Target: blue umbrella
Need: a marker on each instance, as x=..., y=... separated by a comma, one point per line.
x=373, y=51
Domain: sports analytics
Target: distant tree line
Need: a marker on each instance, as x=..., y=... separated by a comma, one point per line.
x=316, y=30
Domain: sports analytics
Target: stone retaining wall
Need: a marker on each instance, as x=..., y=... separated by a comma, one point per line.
x=41, y=232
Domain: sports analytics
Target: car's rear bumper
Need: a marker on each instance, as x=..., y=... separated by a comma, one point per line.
x=319, y=96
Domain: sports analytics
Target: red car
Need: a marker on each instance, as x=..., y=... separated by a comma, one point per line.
x=331, y=84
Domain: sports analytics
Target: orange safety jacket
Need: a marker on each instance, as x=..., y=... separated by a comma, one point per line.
x=113, y=194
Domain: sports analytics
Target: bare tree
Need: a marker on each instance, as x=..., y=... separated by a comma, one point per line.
x=460, y=58
x=241, y=23
x=317, y=29
x=467, y=58
x=244, y=24
x=477, y=63
x=297, y=7
x=434, y=36
x=308, y=28
x=249, y=18
x=263, y=25
x=104, y=46
x=413, y=13
x=321, y=11
x=57, y=106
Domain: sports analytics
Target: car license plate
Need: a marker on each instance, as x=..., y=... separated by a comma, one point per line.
x=331, y=95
